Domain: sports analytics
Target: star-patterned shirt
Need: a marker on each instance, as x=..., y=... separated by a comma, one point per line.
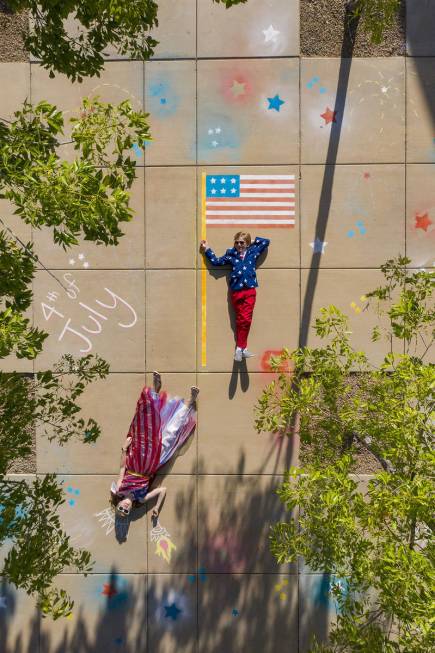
x=243, y=274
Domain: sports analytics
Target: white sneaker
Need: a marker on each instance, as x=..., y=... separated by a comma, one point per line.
x=247, y=354
x=238, y=355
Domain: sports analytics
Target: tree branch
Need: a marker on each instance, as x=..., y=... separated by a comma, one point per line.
x=386, y=465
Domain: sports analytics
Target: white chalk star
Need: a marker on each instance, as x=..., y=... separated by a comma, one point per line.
x=218, y=130
x=3, y=603
x=318, y=246
x=213, y=180
x=210, y=131
x=384, y=89
x=270, y=34
x=85, y=264
x=81, y=257
x=214, y=143
x=71, y=261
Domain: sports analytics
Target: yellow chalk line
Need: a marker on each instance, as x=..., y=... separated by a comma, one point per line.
x=203, y=277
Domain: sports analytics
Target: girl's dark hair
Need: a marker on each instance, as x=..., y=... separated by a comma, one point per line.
x=114, y=499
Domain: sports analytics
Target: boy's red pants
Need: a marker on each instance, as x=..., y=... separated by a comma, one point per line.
x=243, y=303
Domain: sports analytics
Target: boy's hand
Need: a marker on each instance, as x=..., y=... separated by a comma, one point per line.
x=203, y=246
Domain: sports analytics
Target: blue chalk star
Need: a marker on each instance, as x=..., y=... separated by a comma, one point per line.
x=275, y=102
x=172, y=612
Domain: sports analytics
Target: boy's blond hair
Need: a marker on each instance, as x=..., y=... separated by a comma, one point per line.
x=243, y=235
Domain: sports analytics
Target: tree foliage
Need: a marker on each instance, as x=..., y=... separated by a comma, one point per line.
x=72, y=36
x=378, y=536
x=38, y=548
x=85, y=196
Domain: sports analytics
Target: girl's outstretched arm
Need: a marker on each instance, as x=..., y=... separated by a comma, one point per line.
x=159, y=492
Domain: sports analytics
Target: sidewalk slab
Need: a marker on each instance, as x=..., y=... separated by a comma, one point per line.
x=170, y=207
x=234, y=528
x=98, y=309
x=420, y=103
x=365, y=222
x=227, y=440
x=365, y=123
x=110, y=613
x=420, y=215
x=260, y=28
x=170, y=99
x=229, y=609
x=242, y=100
x=170, y=324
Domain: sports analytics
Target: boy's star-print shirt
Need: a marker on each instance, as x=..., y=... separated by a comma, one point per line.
x=243, y=274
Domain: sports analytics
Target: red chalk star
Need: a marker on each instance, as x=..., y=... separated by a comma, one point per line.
x=109, y=590
x=328, y=116
x=422, y=221
x=367, y=175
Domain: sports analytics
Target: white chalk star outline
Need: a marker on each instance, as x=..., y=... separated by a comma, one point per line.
x=271, y=34
x=318, y=246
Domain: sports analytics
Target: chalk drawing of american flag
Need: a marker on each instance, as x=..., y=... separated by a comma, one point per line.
x=257, y=200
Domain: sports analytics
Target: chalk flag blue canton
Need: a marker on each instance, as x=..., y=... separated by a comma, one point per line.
x=257, y=200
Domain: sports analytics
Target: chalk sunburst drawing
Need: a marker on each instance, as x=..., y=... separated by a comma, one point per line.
x=386, y=88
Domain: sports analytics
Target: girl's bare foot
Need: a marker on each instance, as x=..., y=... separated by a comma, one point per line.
x=157, y=381
x=194, y=392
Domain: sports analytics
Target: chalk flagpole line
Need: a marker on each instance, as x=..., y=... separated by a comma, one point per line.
x=203, y=275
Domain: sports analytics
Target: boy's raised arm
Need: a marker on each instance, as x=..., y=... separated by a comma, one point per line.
x=261, y=244
x=214, y=260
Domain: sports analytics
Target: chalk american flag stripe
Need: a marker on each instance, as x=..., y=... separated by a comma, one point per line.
x=266, y=200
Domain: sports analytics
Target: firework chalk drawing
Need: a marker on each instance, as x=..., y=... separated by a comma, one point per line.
x=164, y=544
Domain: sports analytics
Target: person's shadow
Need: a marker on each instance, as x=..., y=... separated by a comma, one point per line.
x=239, y=369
